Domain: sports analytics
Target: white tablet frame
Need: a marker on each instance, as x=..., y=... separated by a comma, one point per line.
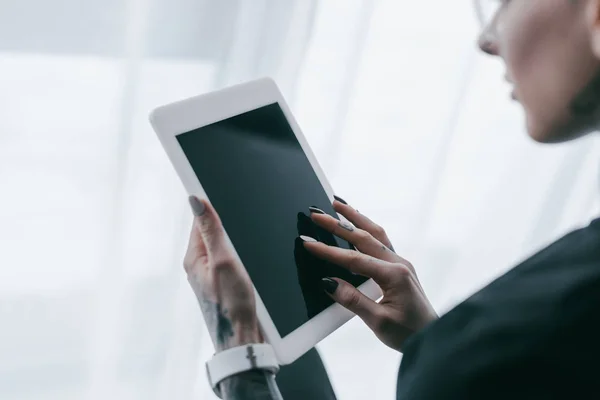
x=184, y=116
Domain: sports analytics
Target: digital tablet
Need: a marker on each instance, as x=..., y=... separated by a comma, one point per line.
x=241, y=149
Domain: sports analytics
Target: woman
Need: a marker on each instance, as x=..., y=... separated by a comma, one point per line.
x=533, y=333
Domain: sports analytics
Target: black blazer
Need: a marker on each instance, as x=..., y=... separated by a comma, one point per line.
x=534, y=333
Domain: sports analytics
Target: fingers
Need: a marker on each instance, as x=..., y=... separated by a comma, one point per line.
x=196, y=250
x=352, y=299
x=362, y=221
x=363, y=240
x=210, y=232
x=354, y=261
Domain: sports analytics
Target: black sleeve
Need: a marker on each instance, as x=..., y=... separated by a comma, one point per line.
x=531, y=335
x=468, y=358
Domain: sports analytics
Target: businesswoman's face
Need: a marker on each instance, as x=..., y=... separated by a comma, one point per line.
x=551, y=49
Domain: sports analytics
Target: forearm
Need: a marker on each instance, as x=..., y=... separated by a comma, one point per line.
x=250, y=385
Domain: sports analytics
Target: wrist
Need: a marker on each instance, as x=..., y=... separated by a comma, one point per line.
x=242, y=334
x=240, y=365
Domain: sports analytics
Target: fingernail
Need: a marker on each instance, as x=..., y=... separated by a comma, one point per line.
x=308, y=239
x=197, y=206
x=340, y=199
x=315, y=210
x=329, y=285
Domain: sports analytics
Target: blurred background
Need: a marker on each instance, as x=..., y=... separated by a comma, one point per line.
x=411, y=125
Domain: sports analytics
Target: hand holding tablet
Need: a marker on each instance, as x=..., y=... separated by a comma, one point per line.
x=241, y=151
x=219, y=281
x=404, y=308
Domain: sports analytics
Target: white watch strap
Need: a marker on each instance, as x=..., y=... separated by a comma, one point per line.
x=240, y=359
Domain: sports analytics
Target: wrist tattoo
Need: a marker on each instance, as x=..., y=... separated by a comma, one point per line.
x=217, y=321
x=249, y=385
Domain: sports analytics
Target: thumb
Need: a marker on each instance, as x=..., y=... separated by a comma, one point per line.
x=208, y=225
x=351, y=298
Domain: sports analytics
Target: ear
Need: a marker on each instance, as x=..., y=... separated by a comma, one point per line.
x=593, y=23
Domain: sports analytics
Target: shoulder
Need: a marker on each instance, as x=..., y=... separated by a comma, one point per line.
x=529, y=323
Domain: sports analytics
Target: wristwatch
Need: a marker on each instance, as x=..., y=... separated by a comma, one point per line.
x=240, y=359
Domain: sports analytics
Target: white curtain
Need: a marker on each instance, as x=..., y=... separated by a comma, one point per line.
x=411, y=125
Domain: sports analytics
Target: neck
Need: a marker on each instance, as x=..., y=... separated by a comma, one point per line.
x=587, y=102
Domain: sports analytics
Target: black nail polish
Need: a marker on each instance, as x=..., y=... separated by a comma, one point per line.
x=315, y=210
x=329, y=285
x=197, y=206
x=340, y=199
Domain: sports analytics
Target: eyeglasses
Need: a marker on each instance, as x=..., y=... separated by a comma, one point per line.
x=487, y=13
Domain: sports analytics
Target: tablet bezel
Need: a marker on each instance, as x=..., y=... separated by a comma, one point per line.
x=187, y=115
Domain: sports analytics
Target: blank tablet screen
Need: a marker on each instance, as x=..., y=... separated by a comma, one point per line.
x=261, y=183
